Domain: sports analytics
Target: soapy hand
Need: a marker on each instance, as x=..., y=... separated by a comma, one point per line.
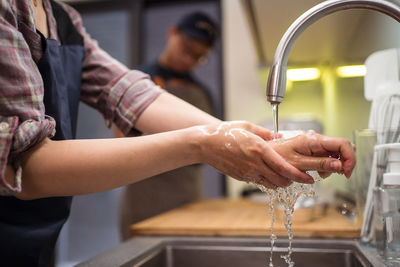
x=242, y=151
x=247, y=152
x=317, y=152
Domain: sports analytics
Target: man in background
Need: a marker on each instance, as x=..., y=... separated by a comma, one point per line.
x=187, y=47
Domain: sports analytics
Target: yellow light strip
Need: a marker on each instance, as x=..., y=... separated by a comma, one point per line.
x=303, y=74
x=351, y=71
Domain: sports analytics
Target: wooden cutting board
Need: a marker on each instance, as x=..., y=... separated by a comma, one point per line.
x=223, y=217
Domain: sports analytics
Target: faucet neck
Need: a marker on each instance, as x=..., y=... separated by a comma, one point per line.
x=277, y=76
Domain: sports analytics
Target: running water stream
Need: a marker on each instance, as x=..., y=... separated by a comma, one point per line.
x=287, y=197
x=275, y=119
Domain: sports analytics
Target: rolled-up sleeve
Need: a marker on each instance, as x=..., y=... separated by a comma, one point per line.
x=118, y=93
x=8, y=125
x=22, y=120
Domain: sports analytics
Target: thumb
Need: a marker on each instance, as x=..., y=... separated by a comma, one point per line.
x=261, y=132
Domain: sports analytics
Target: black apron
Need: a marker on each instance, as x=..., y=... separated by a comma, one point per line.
x=29, y=229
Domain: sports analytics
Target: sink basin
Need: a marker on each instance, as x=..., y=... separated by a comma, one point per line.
x=232, y=252
x=239, y=256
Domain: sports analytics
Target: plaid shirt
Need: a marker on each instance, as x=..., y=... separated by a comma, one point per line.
x=107, y=85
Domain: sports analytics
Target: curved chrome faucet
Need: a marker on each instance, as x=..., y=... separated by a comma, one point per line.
x=277, y=76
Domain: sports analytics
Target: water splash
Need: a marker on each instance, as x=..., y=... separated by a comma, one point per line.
x=272, y=235
x=287, y=197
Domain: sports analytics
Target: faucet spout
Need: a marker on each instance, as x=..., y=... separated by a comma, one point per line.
x=277, y=76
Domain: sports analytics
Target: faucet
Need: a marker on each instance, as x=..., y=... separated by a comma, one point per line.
x=277, y=76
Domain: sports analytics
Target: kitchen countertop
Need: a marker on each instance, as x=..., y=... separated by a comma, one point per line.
x=224, y=217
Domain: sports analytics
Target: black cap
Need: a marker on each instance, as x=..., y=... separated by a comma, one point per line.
x=199, y=26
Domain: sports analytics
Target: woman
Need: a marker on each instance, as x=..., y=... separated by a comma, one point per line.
x=48, y=63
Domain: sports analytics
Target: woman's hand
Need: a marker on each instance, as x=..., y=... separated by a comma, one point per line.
x=313, y=151
x=246, y=152
x=242, y=151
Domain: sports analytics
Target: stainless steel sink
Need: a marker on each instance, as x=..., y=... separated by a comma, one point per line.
x=233, y=252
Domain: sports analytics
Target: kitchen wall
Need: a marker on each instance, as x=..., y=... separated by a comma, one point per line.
x=338, y=103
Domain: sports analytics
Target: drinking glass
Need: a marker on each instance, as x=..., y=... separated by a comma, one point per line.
x=365, y=141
